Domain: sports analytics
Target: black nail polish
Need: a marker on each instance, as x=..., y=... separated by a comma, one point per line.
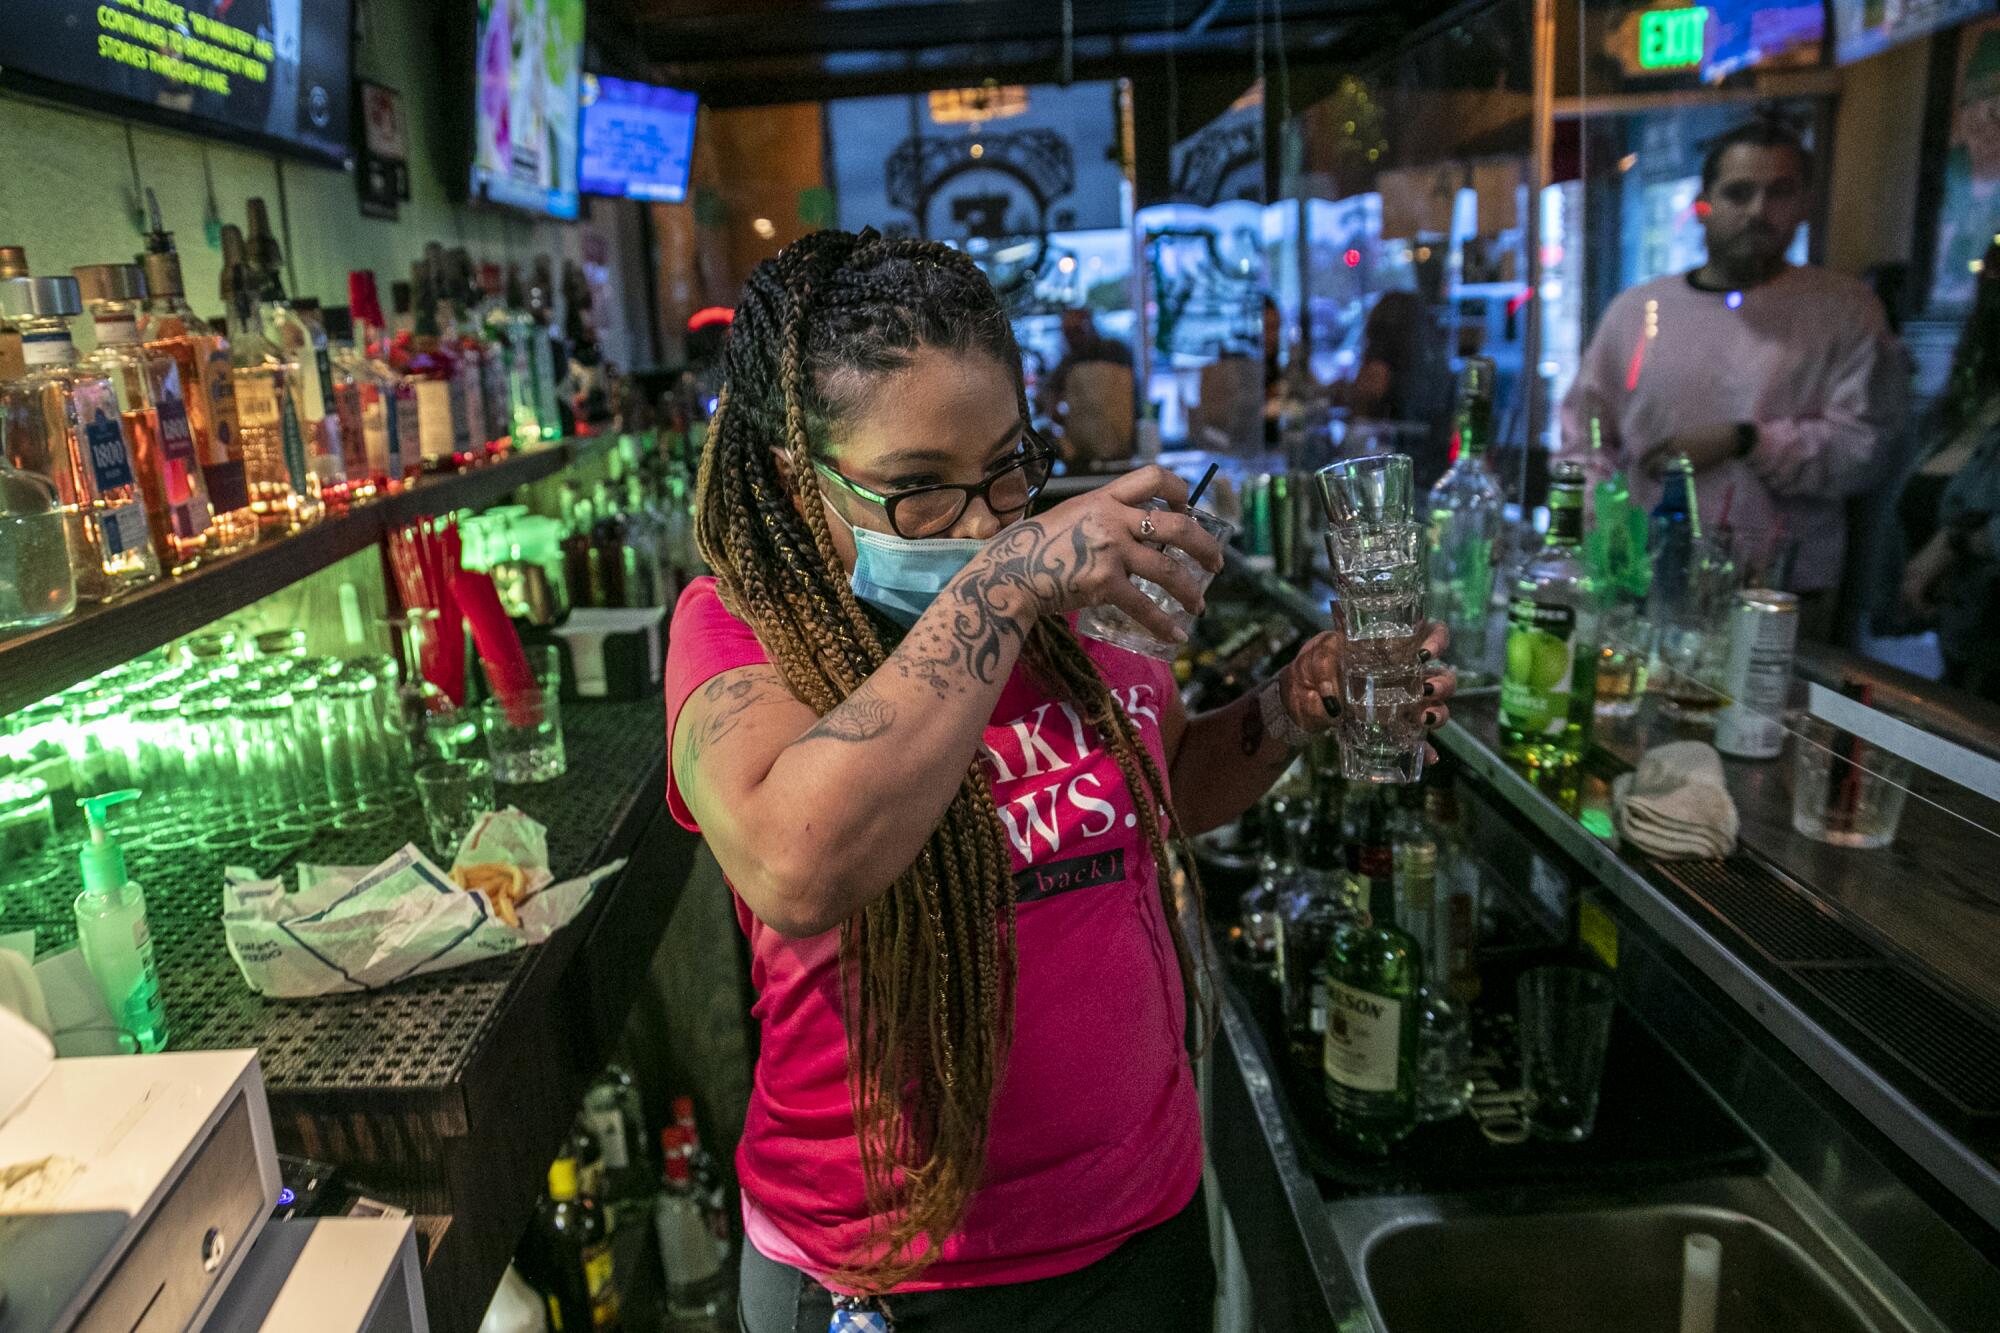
x=1330, y=704
x=1429, y=689
x=1431, y=719
x=1423, y=654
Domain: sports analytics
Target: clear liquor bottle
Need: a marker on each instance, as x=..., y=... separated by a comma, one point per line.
x=152, y=401
x=442, y=424
x=373, y=345
x=64, y=423
x=476, y=334
x=41, y=587
x=284, y=490
x=170, y=327
x=1548, y=691
x=467, y=382
x=1466, y=509
x=1444, y=1034
x=1374, y=971
x=688, y=1254
x=309, y=372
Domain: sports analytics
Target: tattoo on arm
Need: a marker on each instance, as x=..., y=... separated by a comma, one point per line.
x=1024, y=563
x=724, y=700
x=862, y=716
x=1251, y=733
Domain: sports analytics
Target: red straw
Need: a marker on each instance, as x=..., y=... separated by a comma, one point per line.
x=499, y=645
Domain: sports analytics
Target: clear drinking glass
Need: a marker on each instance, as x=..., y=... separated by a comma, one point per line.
x=1376, y=553
x=1113, y=626
x=1565, y=1031
x=455, y=793
x=1845, y=791
x=523, y=730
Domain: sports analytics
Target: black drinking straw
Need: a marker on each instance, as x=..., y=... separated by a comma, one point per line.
x=1202, y=485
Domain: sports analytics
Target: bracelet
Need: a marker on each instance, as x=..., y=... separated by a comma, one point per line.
x=1277, y=722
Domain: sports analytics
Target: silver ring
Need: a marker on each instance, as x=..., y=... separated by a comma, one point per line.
x=1146, y=528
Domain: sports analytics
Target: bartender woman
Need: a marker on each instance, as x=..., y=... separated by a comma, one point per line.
x=944, y=816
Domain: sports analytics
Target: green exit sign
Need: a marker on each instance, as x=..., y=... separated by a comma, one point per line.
x=1671, y=38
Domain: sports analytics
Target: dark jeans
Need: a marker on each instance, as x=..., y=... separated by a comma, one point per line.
x=1159, y=1281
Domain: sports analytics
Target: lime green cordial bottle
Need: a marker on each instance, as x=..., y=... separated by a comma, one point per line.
x=1550, y=680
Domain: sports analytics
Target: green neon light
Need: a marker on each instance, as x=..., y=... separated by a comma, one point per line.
x=1671, y=38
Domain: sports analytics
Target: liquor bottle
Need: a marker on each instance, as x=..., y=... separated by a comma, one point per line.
x=583, y=1149
x=153, y=405
x=1316, y=907
x=170, y=327
x=707, y=1176
x=610, y=557
x=541, y=349
x=1444, y=1036
x=42, y=588
x=611, y=1118
x=346, y=439
x=470, y=299
x=443, y=433
x=372, y=346
x=468, y=393
x=1675, y=614
x=63, y=423
x=1551, y=679
x=519, y=337
x=365, y=407
x=1465, y=515
x=687, y=1247
x=299, y=343
x=1374, y=970
x=1615, y=551
x=1458, y=890
x=576, y=545
x=13, y=264
x=567, y=1256
x=284, y=490
x=1257, y=907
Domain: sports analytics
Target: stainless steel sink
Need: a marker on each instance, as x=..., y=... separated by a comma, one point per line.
x=1598, y=1265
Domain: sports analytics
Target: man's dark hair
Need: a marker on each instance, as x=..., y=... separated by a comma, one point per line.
x=1760, y=133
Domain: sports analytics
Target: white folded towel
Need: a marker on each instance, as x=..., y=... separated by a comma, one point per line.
x=1676, y=805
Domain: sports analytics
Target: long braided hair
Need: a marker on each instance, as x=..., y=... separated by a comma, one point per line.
x=927, y=969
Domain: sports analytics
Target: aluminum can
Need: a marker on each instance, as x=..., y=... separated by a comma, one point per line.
x=1763, y=634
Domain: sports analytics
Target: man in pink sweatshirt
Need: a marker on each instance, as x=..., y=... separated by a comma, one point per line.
x=1782, y=384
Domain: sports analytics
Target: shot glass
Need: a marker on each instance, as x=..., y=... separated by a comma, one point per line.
x=1845, y=791
x=1565, y=1031
x=1113, y=626
x=1375, y=549
x=455, y=793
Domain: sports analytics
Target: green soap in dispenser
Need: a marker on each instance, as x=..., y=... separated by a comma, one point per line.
x=111, y=926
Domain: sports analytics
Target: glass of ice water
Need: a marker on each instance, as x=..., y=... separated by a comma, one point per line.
x=1376, y=551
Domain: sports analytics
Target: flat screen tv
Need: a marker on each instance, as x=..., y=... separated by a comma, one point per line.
x=274, y=73
x=638, y=139
x=528, y=64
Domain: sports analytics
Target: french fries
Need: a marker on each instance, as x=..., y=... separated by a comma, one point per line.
x=503, y=884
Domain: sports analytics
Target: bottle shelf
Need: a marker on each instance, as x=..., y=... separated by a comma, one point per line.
x=39, y=662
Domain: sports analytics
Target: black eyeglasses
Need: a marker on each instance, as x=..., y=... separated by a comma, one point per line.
x=926, y=511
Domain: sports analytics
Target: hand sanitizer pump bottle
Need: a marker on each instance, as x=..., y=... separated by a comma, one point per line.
x=111, y=926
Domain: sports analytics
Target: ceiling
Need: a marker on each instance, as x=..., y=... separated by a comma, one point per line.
x=752, y=52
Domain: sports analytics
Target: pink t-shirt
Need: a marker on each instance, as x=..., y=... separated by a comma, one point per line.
x=1096, y=1131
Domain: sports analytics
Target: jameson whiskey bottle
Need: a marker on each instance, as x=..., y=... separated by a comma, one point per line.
x=1548, y=691
x=1374, y=970
x=1465, y=515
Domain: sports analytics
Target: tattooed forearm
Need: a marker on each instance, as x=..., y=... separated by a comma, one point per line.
x=862, y=716
x=990, y=609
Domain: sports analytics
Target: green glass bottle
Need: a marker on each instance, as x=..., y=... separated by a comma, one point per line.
x=1550, y=685
x=1374, y=970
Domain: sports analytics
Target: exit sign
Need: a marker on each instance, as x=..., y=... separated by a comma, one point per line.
x=1671, y=38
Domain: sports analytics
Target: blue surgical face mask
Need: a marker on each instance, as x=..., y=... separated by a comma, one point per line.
x=902, y=576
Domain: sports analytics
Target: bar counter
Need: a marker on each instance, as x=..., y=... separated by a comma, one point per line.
x=1839, y=1005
